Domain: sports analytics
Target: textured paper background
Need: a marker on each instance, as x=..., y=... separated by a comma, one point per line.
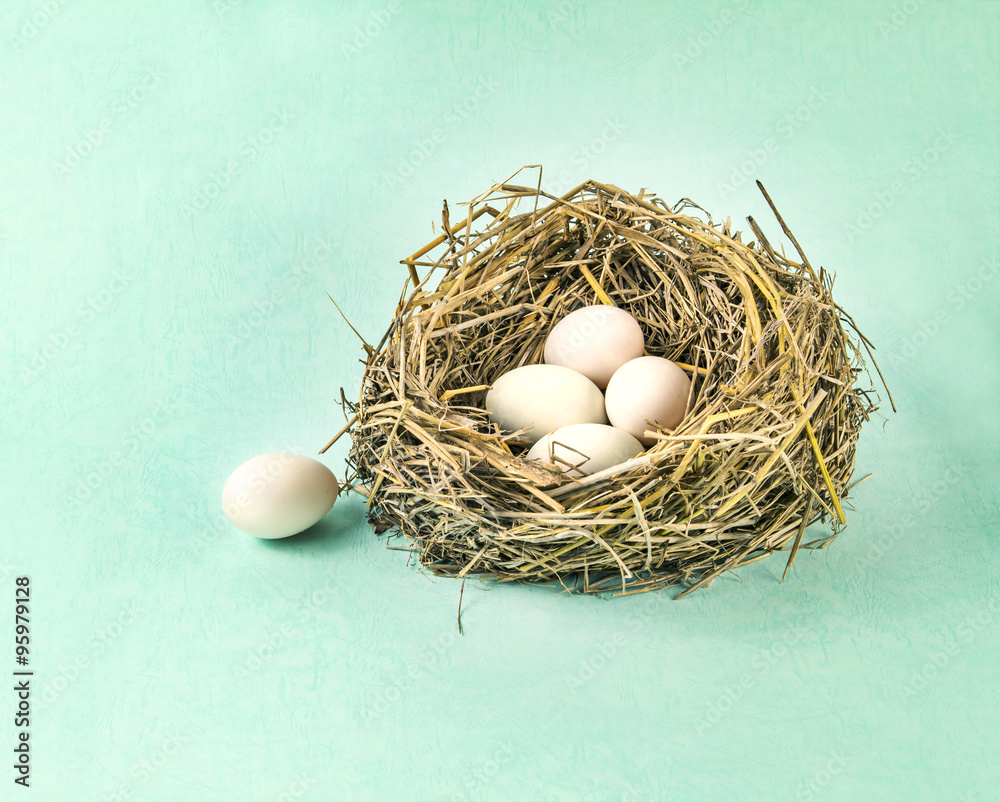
x=165, y=317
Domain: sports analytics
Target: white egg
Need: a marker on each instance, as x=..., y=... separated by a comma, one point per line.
x=278, y=495
x=585, y=448
x=648, y=388
x=596, y=341
x=543, y=398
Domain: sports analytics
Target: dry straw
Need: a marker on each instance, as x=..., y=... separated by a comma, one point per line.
x=766, y=449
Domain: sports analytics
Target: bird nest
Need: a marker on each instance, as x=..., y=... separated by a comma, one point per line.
x=766, y=447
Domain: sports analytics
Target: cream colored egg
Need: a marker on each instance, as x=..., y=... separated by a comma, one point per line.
x=595, y=341
x=585, y=448
x=278, y=495
x=543, y=398
x=648, y=388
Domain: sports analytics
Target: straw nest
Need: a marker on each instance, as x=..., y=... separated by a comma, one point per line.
x=766, y=448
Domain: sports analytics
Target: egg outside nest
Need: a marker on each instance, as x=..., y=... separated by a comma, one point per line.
x=765, y=449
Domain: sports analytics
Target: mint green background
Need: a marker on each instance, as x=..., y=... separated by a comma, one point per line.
x=178, y=659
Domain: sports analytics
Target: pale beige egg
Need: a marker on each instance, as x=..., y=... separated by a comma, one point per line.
x=648, y=388
x=543, y=398
x=595, y=341
x=278, y=495
x=585, y=448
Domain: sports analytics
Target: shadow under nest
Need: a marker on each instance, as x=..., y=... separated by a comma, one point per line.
x=766, y=448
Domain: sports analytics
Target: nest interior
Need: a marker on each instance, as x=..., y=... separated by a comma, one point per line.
x=766, y=448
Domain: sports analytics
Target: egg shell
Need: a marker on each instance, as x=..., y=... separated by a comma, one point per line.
x=595, y=341
x=544, y=398
x=587, y=447
x=278, y=495
x=648, y=388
